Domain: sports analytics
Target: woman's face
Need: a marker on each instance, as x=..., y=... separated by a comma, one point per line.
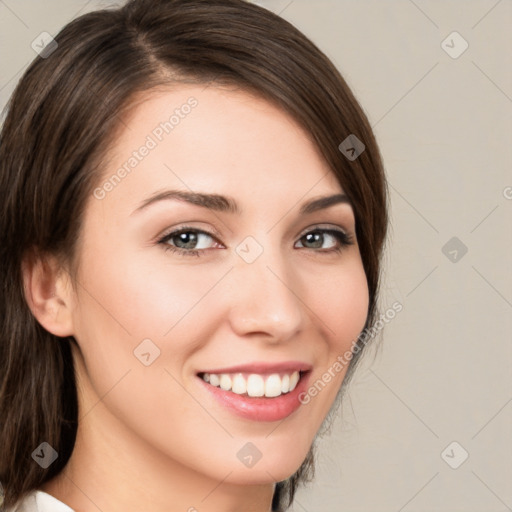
x=240, y=285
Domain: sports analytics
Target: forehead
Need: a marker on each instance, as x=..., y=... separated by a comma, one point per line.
x=216, y=139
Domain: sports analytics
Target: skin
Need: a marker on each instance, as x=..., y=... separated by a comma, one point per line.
x=152, y=434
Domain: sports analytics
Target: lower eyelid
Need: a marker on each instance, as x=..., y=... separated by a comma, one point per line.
x=343, y=237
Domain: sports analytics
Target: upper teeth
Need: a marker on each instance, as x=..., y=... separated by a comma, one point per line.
x=253, y=384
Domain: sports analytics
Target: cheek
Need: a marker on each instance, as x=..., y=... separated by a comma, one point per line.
x=343, y=304
x=146, y=300
x=127, y=303
x=342, y=307
x=132, y=307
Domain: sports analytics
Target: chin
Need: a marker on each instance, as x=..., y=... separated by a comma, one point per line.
x=271, y=469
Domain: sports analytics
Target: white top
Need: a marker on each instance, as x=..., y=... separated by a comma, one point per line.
x=40, y=501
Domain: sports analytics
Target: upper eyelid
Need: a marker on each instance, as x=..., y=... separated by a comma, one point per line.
x=326, y=227
x=314, y=227
x=185, y=229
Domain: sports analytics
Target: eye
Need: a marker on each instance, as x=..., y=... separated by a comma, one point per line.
x=335, y=240
x=188, y=241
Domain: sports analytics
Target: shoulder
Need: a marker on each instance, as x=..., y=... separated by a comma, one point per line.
x=40, y=501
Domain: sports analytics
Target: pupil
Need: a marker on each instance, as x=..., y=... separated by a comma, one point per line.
x=188, y=239
x=315, y=238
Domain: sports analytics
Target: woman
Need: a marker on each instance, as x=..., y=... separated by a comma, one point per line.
x=193, y=215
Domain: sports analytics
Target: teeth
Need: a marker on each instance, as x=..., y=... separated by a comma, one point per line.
x=294, y=379
x=273, y=385
x=239, y=384
x=225, y=382
x=285, y=384
x=254, y=385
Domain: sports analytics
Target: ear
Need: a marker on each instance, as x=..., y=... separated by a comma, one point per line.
x=49, y=293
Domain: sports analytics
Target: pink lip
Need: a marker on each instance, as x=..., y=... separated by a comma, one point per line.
x=264, y=368
x=259, y=408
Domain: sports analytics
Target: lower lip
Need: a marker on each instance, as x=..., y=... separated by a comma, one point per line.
x=260, y=408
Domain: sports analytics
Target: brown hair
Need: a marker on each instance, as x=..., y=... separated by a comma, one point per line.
x=60, y=121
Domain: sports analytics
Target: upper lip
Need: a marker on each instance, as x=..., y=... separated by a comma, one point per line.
x=264, y=368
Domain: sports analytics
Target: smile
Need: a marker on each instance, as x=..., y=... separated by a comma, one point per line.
x=254, y=385
x=258, y=391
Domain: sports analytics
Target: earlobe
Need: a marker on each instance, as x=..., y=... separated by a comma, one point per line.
x=48, y=293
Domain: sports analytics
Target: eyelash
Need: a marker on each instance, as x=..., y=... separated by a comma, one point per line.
x=344, y=240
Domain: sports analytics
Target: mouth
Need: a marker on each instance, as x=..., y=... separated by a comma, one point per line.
x=258, y=392
x=254, y=385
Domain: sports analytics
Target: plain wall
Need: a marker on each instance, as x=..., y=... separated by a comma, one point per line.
x=442, y=373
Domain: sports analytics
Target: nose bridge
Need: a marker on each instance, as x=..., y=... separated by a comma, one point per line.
x=264, y=298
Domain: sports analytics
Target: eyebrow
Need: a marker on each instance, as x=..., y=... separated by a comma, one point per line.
x=226, y=204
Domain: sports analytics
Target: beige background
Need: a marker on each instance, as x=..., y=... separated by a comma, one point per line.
x=443, y=369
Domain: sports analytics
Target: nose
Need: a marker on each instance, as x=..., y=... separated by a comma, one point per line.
x=265, y=299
